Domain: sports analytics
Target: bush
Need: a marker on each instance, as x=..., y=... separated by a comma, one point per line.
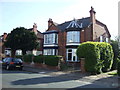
x=51, y=60
x=118, y=69
x=38, y=59
x=98, y=56
x=91, y=53
x=28, y=58
x=106, y=54
x=115, y=47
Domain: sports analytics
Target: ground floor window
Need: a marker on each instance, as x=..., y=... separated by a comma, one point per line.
x=50, y=52
x=71, y=55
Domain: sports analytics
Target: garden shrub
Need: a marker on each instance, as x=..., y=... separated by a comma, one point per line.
x=51, y=60
x=28, y=58
x=106, y=54
x=115, y=47
x=38, y=59
x=91, y=53
x=118, y=69
x=98, y=56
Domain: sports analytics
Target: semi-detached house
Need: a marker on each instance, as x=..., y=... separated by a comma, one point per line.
x=63, y=39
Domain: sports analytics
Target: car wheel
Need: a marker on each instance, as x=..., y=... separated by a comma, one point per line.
x=7, y=67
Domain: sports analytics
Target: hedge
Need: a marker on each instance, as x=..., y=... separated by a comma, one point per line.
x=106, y=54
x=118, y=69
x=98, y=56
x=28, y=58
x=51, y=60
x=38, y=59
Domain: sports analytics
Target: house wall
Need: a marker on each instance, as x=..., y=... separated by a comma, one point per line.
x=62, y=44
x=88, y=34
x=98, y=31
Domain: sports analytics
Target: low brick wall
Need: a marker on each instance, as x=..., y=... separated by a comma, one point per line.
x=42, y=66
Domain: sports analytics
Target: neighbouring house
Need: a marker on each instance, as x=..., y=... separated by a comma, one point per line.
x=7, y=51
x=3, y=50
x=39, y=50
x=63, y=39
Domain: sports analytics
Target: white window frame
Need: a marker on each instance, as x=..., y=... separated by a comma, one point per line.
x=50, y=52
x=73, y=54
x=50, y=38
x=101, y=38
x=73, y=36
x=107, y=40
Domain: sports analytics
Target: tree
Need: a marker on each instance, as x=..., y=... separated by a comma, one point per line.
x=21, y=38
x=115, y=47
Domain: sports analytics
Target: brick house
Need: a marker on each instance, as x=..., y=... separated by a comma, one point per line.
x=39, y=50
x=7, y=51
x=3, y=50
x=63, y=39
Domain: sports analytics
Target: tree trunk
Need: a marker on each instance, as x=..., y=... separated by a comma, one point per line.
x=13, y=53
x=24, y=52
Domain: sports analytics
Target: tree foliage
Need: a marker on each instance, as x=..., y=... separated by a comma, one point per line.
x=21, y=38
x=98, y=56
x=116, y=50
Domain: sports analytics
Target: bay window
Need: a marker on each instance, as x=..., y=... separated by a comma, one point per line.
x=51, y=38
x=73, y=36
x=50, y=51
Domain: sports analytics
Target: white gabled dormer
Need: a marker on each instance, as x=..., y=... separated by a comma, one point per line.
x=74, y=24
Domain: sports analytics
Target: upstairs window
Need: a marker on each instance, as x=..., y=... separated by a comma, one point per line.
x=50, y=38
x=73, y=36
x=101, y=38
x=107, y=39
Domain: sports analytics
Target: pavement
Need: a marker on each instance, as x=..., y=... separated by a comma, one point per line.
x=108, y=80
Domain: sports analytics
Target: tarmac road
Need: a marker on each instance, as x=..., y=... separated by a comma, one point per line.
x=26, y=79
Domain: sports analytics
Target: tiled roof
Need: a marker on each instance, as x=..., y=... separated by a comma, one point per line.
x=76, y=23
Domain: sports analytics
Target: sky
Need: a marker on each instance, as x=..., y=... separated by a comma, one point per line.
x=24, y=13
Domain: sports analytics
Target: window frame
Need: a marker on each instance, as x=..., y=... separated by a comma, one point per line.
x=51, y=38
x=73, y=37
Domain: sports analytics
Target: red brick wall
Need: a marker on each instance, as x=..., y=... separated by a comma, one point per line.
x=52, y=27
x=62, y=44
x=88, y=34
x=82, y=36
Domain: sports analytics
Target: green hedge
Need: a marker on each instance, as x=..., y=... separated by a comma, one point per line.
x=118, y=68
x=115, y=47
x=28, y=58
x=106, y=54
x=98, y=56
x=51, y=60
x=38, y=59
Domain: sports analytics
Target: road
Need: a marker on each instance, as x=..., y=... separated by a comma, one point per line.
x=25, y=79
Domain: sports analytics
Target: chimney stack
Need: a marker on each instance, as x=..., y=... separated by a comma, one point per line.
x=92, y=15
x=35, y=28
x=50, y=22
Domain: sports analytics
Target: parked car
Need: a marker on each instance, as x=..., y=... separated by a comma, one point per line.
x=12, y=63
